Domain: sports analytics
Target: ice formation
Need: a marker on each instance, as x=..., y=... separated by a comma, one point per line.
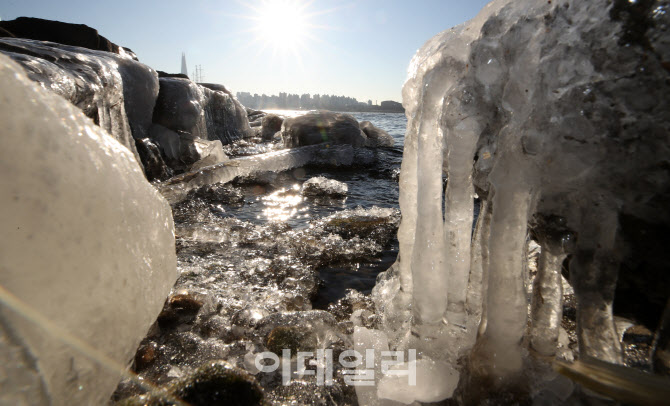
x=176, y=188
x=87, y=243
x=555, y=115
x=321, y=186
x=114, y=90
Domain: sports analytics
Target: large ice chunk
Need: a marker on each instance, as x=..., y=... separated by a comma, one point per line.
x=86, y=242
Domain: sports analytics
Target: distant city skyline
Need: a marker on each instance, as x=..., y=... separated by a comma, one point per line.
x=358, y=49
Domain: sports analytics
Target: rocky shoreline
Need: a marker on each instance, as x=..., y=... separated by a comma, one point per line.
x=561, y=285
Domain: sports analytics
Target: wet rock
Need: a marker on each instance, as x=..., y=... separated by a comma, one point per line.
x=152, y=160
x=290, y=338
x=379, y=224
x=115, y=91
x=162, y=74
x=78, y=35
x=321, y=186
x=219, y=193
x=178, y=309
x=199, y=111
x=322, y=127
x=376, y=136
x=271, y=124
x=216, y=87
x=145, y=356
x=219, y=383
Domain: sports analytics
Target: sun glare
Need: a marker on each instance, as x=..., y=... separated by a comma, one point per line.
x=282, y=23
x=285, y=27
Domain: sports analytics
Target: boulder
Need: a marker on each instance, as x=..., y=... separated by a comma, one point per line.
x=320, y=186
x=154, y=165
x=216, y=87
x=117, y=92
x=376, y=136
x=322, y=127
x=78, y=35
x=270, y=125
x=184, y=106
x=88, y=247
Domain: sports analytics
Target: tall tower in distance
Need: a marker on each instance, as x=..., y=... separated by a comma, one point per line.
x=184, y=70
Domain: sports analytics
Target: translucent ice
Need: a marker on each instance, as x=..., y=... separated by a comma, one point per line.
x=545, y=111
x=87, y=243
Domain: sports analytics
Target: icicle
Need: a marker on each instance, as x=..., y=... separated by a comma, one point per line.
x=429, y=276
x=458, y=209
x=547, y=303
x=478, y=283
x=499, y=349
x=593, y=275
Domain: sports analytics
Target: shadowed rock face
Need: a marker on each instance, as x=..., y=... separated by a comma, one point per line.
x=117, y=92
x=322, y=127
x=376, y=136
x=184, y=106
x=78, y=35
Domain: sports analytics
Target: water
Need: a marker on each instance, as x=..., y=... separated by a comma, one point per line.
x=280, y=201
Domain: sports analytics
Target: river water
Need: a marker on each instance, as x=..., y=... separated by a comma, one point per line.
x=368, y=187
x=258, y=260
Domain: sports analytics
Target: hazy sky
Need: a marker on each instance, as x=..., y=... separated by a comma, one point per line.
x=359, y=49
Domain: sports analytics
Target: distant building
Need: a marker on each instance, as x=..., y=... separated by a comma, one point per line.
x=369, y=102
x=184, y=70
x=391, y=106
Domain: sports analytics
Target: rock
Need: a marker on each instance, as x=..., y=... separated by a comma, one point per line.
x=271, y=124
x=217, y=193
x=179, y=308
x=216, y=87
x=392, y=106
x=210, y=152
x=152, y=161
x=219, y=383
x=78, y=35
x=115, y=91
x=105, y=240
x=376, y=137
x=183, y=106
x=290, y=338
x=322, y=127
x=178, y=149
x=162, y=74
x=320, y=186
x=376, y=223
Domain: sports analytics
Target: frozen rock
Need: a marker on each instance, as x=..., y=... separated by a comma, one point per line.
x=117, y=92
x=78, y=35
x=376, y=136
x=154, y=165
x=211, y=153
x=88, y=244
x=184, y=106
x=320, y=186
x=322, y=127
x=271, y=124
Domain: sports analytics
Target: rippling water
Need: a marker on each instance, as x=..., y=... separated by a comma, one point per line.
x=280, y=200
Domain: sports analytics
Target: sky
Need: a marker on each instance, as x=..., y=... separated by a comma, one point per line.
x=358, y=48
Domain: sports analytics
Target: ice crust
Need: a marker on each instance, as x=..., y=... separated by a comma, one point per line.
x=116, y=91
x=551, y=112
x=87, y=243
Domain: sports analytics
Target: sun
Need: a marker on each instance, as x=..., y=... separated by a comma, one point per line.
x=282, y=24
